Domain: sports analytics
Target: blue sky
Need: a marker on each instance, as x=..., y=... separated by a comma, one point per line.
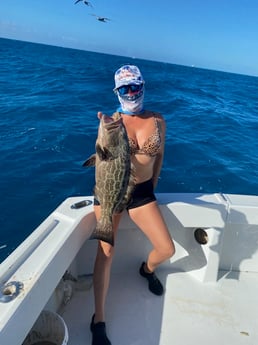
x=213, y=34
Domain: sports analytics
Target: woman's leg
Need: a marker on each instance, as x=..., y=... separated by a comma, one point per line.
x=150, y=220
x=102, y=270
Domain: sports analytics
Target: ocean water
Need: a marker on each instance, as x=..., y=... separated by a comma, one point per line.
x=49, y=100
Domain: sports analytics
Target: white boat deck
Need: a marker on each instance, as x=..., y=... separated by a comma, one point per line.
x=190, y=312
x=211, y=288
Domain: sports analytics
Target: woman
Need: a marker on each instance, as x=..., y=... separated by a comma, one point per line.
x=146, y=133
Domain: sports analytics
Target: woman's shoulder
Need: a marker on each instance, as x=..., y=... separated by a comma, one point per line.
x=157, y=115
x=158, y=118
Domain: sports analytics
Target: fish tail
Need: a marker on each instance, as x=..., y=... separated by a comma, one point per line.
x=103, y=232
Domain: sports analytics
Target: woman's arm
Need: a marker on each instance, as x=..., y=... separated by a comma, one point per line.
x=159, y=157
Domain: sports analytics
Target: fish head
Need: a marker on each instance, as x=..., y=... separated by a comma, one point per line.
x=110, y=130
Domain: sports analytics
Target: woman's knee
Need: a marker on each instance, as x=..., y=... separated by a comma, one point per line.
x=169, y=250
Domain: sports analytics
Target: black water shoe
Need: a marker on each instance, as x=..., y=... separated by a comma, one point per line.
x=98, y=330
x=155, y=285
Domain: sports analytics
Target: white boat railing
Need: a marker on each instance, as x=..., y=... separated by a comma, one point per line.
x=30, y=274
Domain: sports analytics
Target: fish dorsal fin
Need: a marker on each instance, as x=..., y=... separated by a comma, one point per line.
x=116, y=116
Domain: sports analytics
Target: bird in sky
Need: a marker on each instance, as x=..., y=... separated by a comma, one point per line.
x=101, y=19
x=85, y=2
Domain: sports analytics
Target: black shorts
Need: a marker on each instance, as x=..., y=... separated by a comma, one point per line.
x=143, y=194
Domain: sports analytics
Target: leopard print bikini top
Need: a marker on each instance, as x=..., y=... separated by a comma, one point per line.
x=151, y=146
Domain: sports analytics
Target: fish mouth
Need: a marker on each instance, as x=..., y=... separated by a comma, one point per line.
x=109, y=123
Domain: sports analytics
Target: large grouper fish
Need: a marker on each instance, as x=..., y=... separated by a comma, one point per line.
x=114, y=173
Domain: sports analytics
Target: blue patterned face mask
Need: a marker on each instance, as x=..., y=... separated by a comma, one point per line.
x=131, y=105
x=129, y=77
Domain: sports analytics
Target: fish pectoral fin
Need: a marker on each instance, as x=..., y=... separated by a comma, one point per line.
x=103, y=153
x=90, y=162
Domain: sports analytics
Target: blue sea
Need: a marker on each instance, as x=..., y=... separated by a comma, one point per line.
x=49, y=101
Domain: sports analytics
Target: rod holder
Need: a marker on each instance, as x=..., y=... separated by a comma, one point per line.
x=10, y=291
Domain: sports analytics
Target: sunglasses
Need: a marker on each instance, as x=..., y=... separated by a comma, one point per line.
x=123, y=90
